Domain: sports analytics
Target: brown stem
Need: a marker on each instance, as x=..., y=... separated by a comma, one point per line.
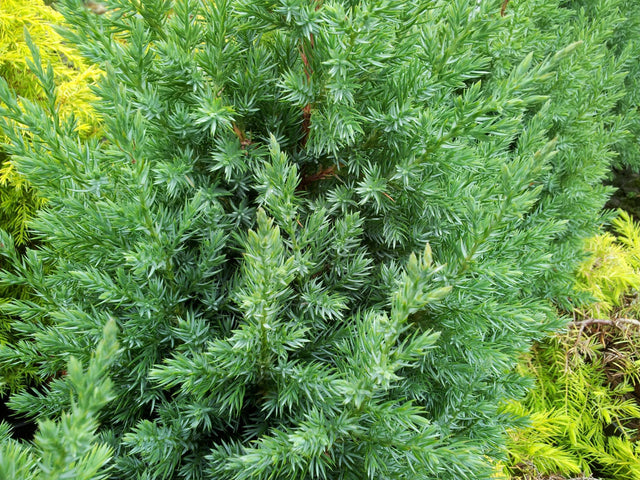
x=308, y=71
x=244, y=141
x=388, y=196
x=305, y=60
x=306, y=123
x=321, y=175
x=306, y=110
x=613, y=322
x=504, y=7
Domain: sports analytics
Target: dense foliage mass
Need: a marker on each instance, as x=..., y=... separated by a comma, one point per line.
x=325, y=230
x=68, y=448
x=585, y=409
x=18, y=199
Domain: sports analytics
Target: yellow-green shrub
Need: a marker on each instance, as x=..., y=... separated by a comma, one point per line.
x=18, y=201
x=584, y=412
x=613, y=269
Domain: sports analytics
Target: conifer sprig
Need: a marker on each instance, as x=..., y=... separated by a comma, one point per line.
x=68, y=447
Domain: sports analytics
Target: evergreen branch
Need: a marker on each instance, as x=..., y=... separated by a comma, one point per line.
x=323, y=174
x=272, y=334
x=503, y=9
x=615, y=322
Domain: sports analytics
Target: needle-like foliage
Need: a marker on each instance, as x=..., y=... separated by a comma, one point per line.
x=326, y=230
x=69, y=447
x=585, y=409
x=19, y=201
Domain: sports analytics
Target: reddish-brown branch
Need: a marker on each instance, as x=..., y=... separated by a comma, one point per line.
x=306, y=123
x=306, y=110
x=305, y=61
x=388, y=196
x=504, y=7
x=244, y=141
x=615, y=322
x=308, y=71
x=321, y=175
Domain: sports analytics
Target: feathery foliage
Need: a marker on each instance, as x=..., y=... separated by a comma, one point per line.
x=585, y=409
x=581, y=422
x=326, y=230
x=18, y=201
x=68, y=447
x=612, y=271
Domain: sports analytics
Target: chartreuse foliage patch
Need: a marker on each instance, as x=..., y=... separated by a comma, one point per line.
x=325, y=230
x=23, y=23
x=18, y=200
x=585, y=409
x=612, y=272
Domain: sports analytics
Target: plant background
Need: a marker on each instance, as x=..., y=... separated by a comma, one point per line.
x=595, y=363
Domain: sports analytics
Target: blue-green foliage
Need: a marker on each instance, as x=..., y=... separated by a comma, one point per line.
x=326, y=230
x=68, y=447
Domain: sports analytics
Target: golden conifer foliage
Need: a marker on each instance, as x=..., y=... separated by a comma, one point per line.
x=612, y=271
x=585, y=409
x=18, y=202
